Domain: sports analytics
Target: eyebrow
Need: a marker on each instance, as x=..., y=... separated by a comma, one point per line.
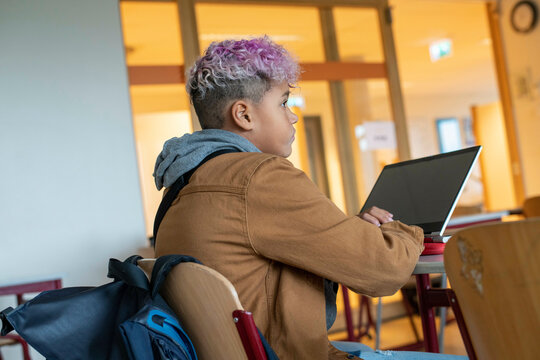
x=286, y=93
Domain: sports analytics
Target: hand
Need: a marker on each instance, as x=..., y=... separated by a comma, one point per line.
x=376, y=216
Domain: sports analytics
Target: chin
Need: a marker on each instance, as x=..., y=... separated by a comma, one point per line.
x=284, y=153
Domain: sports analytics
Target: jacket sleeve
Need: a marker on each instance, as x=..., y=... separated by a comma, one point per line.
x=289, y=220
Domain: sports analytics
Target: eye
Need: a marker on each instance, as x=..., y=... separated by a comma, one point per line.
x=284, y=104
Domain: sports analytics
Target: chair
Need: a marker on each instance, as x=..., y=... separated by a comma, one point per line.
x=531, y=207
x=210, y=312
x=19, y=289
x=13, y=340
x=494, y=271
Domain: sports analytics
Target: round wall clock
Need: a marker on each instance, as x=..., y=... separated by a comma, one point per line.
x=524, y=16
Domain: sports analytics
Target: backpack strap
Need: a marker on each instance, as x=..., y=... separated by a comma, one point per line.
x=178, y=185
x=128, y=272
x=163, y=266
x=270, y=354
x=6, y=325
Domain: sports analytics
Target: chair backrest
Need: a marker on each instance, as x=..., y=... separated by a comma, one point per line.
x=531, y=207
x=204, y=301
x=494, y=271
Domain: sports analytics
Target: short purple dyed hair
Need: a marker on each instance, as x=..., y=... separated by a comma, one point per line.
x=233, y=70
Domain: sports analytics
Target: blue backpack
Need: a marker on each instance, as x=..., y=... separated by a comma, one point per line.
x=124, y=319
x=154, y=331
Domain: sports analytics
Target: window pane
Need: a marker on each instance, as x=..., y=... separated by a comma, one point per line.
x=450, y=86
x=316, y=95
x=152, y=37
x=297, y=28
x=449, y=133
x=151, y=33
x=358, y=34
x=151, y=131
x=156, y=98
x=372, y=128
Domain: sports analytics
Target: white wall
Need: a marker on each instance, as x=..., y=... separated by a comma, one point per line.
x=69, y=189
x=523, y=59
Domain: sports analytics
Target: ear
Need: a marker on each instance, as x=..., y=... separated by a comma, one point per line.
x=241, y=114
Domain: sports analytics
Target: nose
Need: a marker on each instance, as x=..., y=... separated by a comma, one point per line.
x=293, y=118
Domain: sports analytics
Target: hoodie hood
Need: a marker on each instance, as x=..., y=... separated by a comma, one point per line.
x=179, y=155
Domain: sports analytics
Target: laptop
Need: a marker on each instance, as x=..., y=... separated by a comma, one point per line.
x=424, y=191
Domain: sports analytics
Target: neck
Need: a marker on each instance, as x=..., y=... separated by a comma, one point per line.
x=234, y=128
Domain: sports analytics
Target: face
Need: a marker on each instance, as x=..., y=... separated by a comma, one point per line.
x=273, y=130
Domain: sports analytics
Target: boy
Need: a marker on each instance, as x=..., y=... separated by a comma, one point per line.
x=259, y=221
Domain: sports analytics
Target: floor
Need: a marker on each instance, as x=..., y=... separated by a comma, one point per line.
x=399, y=332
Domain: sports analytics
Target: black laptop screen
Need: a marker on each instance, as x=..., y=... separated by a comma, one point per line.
x=423, y=191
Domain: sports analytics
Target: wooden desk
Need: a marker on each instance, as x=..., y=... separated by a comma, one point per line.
x=460, y=222
x=429, y=264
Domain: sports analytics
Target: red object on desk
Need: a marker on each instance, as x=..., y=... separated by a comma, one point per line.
x=19, y=290
x=432, y=248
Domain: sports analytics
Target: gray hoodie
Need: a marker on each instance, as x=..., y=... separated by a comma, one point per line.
x=179, y=155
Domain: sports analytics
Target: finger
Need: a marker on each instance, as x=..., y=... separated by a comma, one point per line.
x=382, y=212
x=382, y=215
x=369, y=218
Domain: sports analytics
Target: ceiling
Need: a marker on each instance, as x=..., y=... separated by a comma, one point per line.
x=152, y=37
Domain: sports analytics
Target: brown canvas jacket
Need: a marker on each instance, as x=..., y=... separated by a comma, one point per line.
x=265, y=226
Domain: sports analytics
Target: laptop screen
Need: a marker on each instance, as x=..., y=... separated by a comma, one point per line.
x=424, y=191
